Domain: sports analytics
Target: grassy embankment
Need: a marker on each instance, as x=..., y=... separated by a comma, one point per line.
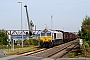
x=19, y=50
x=3, y=47
x=29, y=45
x=82, y=51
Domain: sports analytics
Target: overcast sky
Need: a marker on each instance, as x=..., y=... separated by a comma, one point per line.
x=67, y=14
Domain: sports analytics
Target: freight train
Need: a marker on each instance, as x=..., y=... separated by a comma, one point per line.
x=50, y=38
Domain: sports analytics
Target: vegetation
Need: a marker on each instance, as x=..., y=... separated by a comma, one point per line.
x=5, y=43
x=31, y=41
x=3, y=37
x=29, y=45
x=3, y=47
x=28, y=42
x=19, y=42
x=84, y=34
x=19, y=50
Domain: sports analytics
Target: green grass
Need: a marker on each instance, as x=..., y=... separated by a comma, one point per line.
x=19, y=50
x=84, y=52
x=3, y=47
x=73, y=55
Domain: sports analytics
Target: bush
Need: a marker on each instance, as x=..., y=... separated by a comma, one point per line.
x=3, y=47
x=88, y=42
x=19, y=50
x=85, y=47
x=31, y=41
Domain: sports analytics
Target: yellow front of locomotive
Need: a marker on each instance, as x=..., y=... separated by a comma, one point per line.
x=45, y=37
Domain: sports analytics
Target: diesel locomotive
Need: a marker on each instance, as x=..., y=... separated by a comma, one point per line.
x=50, y=38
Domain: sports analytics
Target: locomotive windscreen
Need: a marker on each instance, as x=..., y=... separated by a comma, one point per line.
x=48, y=34
x=43, y=34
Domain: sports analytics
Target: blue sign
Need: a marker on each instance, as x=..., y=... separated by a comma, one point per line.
x=19, y=36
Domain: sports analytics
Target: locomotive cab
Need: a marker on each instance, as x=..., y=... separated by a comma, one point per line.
x=45, y=38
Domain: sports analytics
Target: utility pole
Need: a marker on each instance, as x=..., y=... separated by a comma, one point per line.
x=51, y=22
x=21, y=23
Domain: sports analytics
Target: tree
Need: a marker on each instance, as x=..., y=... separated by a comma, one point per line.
x=3, y=37
x=86, y=21
x=19, y=42
x=31, y=41
x=84, y=34
x=85, y=29
x=27, y=42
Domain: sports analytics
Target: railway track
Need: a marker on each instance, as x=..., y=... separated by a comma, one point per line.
x=33, y=52
x=37, y=52
x=63, y=52
x=55, y=52
x=52, y=51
